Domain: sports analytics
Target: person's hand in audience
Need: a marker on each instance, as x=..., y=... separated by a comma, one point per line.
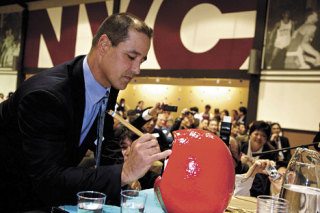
x=276, y=184
x=245, y=159
x=259, y=166
x=155, y=110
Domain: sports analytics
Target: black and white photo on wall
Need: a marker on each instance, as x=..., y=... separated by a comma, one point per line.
x=292, y=35
x=10, y=40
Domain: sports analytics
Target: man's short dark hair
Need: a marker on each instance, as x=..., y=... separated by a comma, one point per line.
x=243, y=110
x=117, y=26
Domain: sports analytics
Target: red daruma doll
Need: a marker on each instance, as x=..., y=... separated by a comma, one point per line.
x=199, y=176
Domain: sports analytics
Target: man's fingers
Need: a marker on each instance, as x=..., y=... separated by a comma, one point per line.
x=160, y=155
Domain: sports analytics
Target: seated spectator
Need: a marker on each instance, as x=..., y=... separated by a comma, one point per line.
x=258, y=142
x=235, y=149
x=203, y=124
x=213, y=126
x=184, y=121
x=265, y=185
x=242, y=136
x=244, y=182
x=1, y=97
x=149, y=127
x=279, y=142
x=317, y=139
x=234, y=130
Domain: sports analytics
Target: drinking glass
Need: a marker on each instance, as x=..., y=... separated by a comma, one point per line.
x=301, y=185
x=90, y=202
x=267, y=204
x=133, y=201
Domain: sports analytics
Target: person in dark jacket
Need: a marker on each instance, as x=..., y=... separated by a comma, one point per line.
x=279, y=142
x=49, y=123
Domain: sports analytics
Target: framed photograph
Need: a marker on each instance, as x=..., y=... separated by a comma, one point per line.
x=10, y=41
x=292, y=40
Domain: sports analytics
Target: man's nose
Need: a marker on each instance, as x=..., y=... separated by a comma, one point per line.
x=136, y=68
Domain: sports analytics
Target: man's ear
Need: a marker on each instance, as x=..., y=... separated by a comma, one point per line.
x=104, y=42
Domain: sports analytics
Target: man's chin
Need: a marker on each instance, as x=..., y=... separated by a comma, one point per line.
x=121, y=86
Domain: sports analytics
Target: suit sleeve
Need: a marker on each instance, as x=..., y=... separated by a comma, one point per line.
x=45, y=124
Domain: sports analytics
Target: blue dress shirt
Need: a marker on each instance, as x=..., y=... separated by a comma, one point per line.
x=93, y=94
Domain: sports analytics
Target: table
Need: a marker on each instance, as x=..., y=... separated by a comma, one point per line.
x=237, y=204
x=152, y=205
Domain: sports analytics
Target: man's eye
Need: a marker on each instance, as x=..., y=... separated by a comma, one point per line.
x=131, y=57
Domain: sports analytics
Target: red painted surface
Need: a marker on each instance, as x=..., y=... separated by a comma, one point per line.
x=199, y=176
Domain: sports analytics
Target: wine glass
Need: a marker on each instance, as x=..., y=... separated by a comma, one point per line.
x=301, y=185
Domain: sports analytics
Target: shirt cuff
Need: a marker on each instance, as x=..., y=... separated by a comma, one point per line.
x=145, y=115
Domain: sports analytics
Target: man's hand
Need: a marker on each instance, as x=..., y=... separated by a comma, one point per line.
x=274, y=137
x=144, y=151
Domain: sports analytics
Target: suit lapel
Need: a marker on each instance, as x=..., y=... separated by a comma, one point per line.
x=75, y=71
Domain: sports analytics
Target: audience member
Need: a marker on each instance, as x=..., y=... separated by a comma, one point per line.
x=1, y=97
x=259, y=134
x=184, y=121
x=265, y=185
x=244, y=182
x=317, y=139
x=216, y=114
x=278, y=141
x=204, y=124
x=234, y=116
x=242, y=136
x=196, y=114
x=207, y=114
x=213, y=126
x=121, y=108
x=223, y=113
x=242, y=115
x=139, y=108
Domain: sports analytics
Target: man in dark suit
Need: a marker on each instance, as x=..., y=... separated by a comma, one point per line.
x=280, y=142
x=49, y=123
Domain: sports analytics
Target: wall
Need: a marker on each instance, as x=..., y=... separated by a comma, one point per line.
x=290, y=98
x=298, y=138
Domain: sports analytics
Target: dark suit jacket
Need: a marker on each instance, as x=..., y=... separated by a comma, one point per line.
x=284, y=143
x=316, y=139
x=39, y=142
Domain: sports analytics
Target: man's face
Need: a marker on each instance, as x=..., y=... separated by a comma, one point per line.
x=119, y=64
x=275, y=129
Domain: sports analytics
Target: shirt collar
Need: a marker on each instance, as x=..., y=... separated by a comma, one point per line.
x=94, y=91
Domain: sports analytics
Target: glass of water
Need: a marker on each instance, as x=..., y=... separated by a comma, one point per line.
x=133, y=201
x=90, y=202
x=301, y=185
x=267, y=204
